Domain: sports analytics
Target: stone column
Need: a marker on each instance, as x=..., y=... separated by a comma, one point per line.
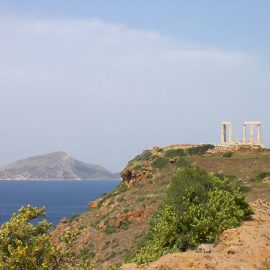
x=230, y=133
x=244, y=134
x=259, y=134
x=223, y=134
x=251, y=134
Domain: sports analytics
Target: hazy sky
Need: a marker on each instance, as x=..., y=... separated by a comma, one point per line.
x=101, y=79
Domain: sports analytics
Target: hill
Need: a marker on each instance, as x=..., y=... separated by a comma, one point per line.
x=115, y=226
x=54, y=166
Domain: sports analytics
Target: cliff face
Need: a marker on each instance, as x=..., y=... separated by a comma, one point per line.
x=53, y=166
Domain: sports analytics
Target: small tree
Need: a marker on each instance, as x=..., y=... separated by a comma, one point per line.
x=24, y=245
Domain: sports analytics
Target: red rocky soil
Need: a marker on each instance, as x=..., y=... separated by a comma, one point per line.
x=246, y=247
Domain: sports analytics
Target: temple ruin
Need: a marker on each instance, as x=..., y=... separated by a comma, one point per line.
x=226, y=134
x=226, y=129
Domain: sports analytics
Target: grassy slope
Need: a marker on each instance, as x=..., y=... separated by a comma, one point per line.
x=111, y=231
x=244, y=166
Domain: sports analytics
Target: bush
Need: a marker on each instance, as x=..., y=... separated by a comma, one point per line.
x=171, y=153
x=197, y=208
x=87, y=253
x=235, y=181
x=137, y=167
x=125, y=224
x=145, y=155
x=137, y=158
x=227, y=154
x=261, y=176
x=24, y=245
x=118, y=190
x=121, y=188
x=160, y=162
x=73, y=218
x=182, y=162
x=110, y=229
x=200, y=149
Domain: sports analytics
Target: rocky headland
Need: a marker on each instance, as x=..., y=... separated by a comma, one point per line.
x=117, y=222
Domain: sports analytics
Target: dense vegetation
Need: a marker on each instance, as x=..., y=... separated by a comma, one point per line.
x=26, y=246
x=197, y=208
x=171, y=153
x=200, y=149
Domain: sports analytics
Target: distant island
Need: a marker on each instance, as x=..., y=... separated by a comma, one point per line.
x=54, y=166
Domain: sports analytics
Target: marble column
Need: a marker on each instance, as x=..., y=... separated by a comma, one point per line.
x=251, y=134
x=230, y=133
x=223, y=134
x=259, y=134
x=244, y=134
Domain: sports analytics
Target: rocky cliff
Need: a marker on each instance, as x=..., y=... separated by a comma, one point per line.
x=54, y=166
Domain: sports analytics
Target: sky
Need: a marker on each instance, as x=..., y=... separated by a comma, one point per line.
x=104, y=80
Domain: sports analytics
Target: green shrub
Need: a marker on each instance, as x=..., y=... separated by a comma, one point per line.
x=137, y=158
x=197, y=208
x=227, y=154
x=113, y=267
x=140, y=199
x=106, y=219
x=100, y=203
x=235, y=181
x=110, y=202
x=160, y=163
x=87, y=253
x=154, y=156
x=112, y=255
x=145, y=155
x=261, y=176
x=137, y=167
x=110, y=229
x=182, y=162
x=25, y=244
x=150, y=181
x=118, y=190
x=200, y=149
x=73, y=218
x=171, y=153
x=125, y=224
x=121, y=188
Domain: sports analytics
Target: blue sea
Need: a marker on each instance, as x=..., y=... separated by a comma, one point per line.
x=61, y=198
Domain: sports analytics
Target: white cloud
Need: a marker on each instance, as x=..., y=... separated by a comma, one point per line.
x=82, y=85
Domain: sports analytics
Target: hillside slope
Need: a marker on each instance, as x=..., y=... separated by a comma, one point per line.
x=53, y=166
x=116, y=223
x=246, y=247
